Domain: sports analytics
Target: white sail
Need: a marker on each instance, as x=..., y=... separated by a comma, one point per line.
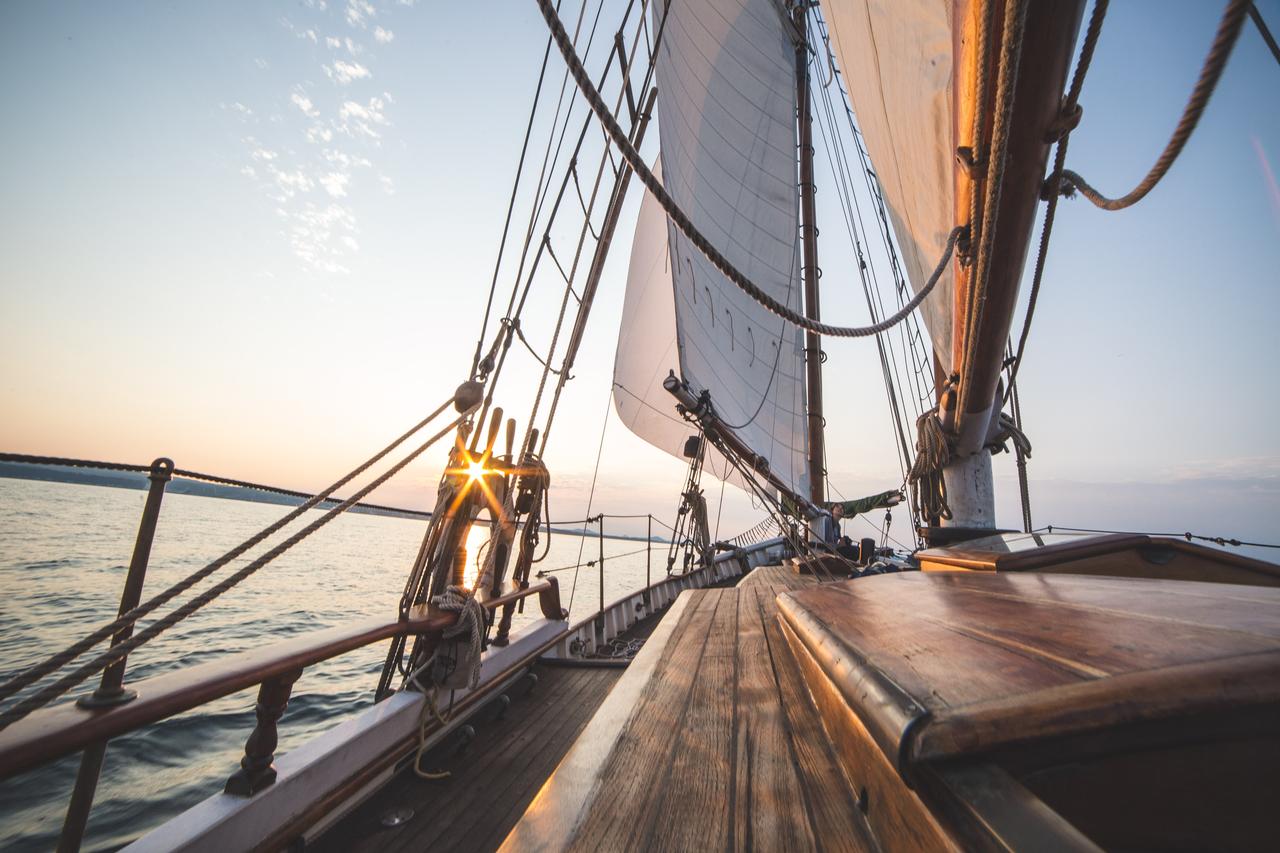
x=726, y=120
x=647, y=349
x=895, y=57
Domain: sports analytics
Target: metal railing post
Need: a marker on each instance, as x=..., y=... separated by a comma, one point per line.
x=600, y=564
x=648, y=566
x=111, y=690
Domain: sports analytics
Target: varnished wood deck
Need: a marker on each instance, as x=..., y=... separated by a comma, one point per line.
x=709, y=742
x=492, y=781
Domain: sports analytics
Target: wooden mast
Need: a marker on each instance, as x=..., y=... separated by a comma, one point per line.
x=981, y=325
x=809, y=264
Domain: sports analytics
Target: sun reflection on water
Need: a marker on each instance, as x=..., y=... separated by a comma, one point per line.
x=476, y=537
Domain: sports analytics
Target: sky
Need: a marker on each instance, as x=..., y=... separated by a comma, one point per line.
x=257, y=238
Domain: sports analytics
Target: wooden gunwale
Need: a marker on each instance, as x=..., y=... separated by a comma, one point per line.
x=51, y=733
x=964, y=556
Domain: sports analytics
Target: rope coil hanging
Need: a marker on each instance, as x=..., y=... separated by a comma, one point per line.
x=690, y=231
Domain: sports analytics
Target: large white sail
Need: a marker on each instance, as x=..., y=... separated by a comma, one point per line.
x=726, y=113
x=896, y=56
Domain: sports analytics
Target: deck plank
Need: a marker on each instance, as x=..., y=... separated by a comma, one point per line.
x=491, y=783
x=646, y=741
x=766, y=813
x=695, y=806
x=829, y=799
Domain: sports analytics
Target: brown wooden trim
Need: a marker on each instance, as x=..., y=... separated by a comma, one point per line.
x=991, y=810
x=1082, y=547
x=54, y=732
x=1177, y=691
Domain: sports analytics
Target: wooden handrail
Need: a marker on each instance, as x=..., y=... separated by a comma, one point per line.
x=51, y=733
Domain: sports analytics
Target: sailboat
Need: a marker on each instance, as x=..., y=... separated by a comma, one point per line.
x=992, y=689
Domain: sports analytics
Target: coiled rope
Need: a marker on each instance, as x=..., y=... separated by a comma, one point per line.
x=928, y=488
x=1228, y=33
x=686, y=226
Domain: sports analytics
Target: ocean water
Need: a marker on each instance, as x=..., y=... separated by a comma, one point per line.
x=64, y=550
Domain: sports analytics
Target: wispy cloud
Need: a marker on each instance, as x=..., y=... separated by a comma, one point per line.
x=313, y=164
x=359, y=12
x=344, y=72
x=303, y=103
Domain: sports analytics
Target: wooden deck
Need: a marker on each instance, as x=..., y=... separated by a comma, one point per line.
x=709, y=742
x=491, y=782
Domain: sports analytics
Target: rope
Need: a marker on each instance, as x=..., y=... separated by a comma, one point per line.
x=122, y=650
x=929, y=489
x=458, y=599
x=1068, y=117
x=686, y=226
x=1225, y=39
x=1189, y=536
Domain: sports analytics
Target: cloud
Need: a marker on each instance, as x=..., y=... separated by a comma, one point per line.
x=359, y=12
x=359, y=120
x=344, y=72
x=303, y=103
x=318, y=133
x=335, y=183
x=382, y=36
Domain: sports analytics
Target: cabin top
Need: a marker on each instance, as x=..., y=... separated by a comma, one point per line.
x=942, y=664
x=1121, y=554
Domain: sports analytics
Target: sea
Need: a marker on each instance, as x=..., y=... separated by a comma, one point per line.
x=64, y=551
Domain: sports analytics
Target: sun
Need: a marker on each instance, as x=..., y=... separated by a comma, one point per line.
x=475, y=470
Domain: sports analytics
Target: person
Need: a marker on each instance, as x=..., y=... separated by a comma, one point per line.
x=827, y=526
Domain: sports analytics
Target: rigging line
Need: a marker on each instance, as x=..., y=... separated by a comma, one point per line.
x=922, y=385
x=1228, y=32
x=121, y=650
x=539, y=202
x=1217, y=540
x=540, y=194
x=1070, y=113
x=1263, y=31
x=719, y=510
x=582, y=235
x=584, y=308
x=511, y=204
x=842, y=185
x=686, y=226
x=590, y=563
x=564, y=275
x=61, y=659
x=543, y=187
x=591, y=494
x=546, y=364
x=890, y=380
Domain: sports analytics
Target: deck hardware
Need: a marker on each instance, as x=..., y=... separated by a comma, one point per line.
x=396, y=817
